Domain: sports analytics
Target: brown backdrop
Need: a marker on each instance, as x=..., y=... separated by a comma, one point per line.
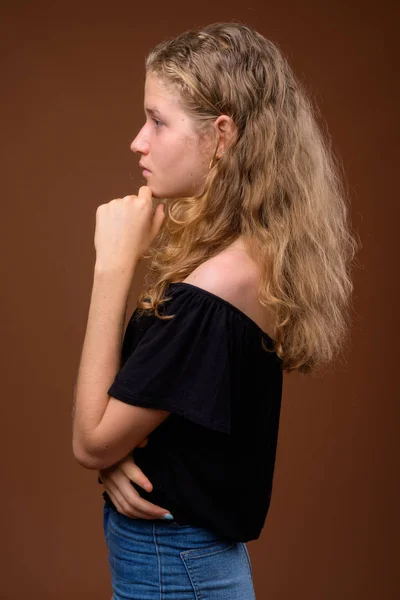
x=72, y=80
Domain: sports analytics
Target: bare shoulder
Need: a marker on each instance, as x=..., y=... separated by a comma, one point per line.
x=224, y=275
x=232, y=276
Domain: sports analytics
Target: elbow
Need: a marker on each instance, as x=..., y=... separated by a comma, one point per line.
x=93, y=455
x=91, y=461
x=85, y=459
x=87, y=462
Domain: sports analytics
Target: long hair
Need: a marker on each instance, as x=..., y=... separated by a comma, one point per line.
x=278, y=185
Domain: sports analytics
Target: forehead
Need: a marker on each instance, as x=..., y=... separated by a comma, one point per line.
x=158, y=97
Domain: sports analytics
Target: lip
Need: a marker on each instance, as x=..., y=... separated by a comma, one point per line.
x=145, y=168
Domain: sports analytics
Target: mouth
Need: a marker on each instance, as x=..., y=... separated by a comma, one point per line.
x=144, y=168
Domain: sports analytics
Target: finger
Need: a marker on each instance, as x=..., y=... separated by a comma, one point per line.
x=114, y=500
x=138, y=508
x=142, y=444
x=135, y=473
x=145, y=192
x=147, y=507
x=120, y=502
x=132, y=501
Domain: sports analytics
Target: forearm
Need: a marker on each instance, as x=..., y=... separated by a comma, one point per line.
x=100, y=357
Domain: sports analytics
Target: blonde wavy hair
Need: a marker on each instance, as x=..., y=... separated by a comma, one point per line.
x=278, y=185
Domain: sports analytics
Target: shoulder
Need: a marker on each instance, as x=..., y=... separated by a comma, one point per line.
x=233, y=276
x=230, y=275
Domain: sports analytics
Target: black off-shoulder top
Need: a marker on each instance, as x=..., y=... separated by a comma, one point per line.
x=211, y=462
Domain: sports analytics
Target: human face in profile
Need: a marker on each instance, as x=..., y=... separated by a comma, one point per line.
x=177, y=159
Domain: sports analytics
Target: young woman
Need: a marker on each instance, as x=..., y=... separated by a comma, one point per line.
x=250, y=250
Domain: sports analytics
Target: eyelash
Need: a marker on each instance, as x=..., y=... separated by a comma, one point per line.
x=157, y=121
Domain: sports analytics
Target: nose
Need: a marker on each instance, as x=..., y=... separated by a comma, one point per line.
x=140, y=144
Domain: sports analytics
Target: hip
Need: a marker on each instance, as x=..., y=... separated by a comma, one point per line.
x=164, y=559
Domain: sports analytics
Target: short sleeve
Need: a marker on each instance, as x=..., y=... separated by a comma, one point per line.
x=182, y=364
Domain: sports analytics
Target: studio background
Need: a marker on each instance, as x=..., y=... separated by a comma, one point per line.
x=72, y=100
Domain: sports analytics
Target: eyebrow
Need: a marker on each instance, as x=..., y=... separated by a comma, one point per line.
x=153, y=111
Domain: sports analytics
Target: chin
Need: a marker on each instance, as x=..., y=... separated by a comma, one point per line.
x=165, y=194
x=161, y=192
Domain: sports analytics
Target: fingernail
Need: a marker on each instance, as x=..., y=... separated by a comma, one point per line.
x=168, y=516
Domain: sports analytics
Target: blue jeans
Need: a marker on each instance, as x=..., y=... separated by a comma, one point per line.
x=162, y=560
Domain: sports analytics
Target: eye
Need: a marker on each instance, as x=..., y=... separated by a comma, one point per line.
x=157, y=121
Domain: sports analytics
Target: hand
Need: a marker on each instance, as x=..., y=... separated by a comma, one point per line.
x=125, y=229
x=116, y=480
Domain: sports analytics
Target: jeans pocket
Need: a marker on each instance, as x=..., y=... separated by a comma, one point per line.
x=220, y=570
x=214, y=548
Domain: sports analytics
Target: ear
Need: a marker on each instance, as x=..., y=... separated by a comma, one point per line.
x=226, y=131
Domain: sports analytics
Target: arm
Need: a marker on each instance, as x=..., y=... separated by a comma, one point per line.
x=105, y=429
x=100, y=355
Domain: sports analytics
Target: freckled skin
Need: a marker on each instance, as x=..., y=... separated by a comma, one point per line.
x=169, y=147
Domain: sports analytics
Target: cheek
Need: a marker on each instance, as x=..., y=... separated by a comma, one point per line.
x=170, y=149
x=178, y=156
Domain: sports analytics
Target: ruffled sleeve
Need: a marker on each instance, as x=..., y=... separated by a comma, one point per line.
x=182, y=365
